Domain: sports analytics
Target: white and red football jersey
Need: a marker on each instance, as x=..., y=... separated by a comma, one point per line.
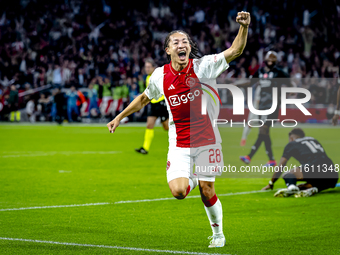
x=184, y=92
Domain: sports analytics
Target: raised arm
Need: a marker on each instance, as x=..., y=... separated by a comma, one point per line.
x=236, y=49
x=138, y=103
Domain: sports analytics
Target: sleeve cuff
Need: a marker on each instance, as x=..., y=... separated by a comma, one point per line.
x=223, y=60
x=146, y=92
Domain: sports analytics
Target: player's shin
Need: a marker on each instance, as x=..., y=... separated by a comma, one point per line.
x=268, y=145
x=246, y=131
x=213, y=208
x=149, y=134
x=256, y=146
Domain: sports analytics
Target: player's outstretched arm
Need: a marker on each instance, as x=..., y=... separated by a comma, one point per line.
x=337, y=110
x=277, y=174
x=137, y=104
x=236, y=49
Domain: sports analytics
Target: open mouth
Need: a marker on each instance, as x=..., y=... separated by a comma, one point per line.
x=182, y=55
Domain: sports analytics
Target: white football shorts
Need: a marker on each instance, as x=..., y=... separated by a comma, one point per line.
x=204, y=161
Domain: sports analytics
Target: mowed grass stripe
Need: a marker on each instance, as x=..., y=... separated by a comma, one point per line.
x=52, y=153
x=124, y=202
x=198, y=196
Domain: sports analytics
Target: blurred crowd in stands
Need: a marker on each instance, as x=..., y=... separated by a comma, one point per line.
x=92, y=52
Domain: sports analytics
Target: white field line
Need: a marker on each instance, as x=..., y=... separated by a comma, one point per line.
x=52, y=153
x=51, y=206
x=198, y=196
x=126, y=201
x=108, y=246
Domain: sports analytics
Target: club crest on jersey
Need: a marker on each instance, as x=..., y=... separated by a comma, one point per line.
x=190, y=82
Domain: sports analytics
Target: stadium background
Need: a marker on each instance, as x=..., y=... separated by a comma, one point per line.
x=64, y=43
x=77, y=184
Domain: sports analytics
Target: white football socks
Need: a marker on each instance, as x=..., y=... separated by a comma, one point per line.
x=213, y=208
x=192, y=183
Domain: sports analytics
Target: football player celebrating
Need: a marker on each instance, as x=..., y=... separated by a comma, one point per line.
x=316, y=168
x=156, y=109
x=192, y=137
x=267, y=79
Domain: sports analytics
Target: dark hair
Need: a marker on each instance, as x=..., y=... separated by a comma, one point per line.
x=194, y=48
x=297, y=131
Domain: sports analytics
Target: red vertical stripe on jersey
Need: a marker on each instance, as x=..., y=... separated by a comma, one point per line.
x=192, y=128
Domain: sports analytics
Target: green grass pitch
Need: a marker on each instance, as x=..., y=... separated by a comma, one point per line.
x=47, y=165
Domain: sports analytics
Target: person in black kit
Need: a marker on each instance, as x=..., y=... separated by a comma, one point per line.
x=267, y=78
x=59, y=99
x=316, y=168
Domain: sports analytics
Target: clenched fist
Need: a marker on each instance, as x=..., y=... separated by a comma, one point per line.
x=243, y=18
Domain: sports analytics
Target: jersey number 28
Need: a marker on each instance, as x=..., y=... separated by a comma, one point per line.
x=214, y=156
